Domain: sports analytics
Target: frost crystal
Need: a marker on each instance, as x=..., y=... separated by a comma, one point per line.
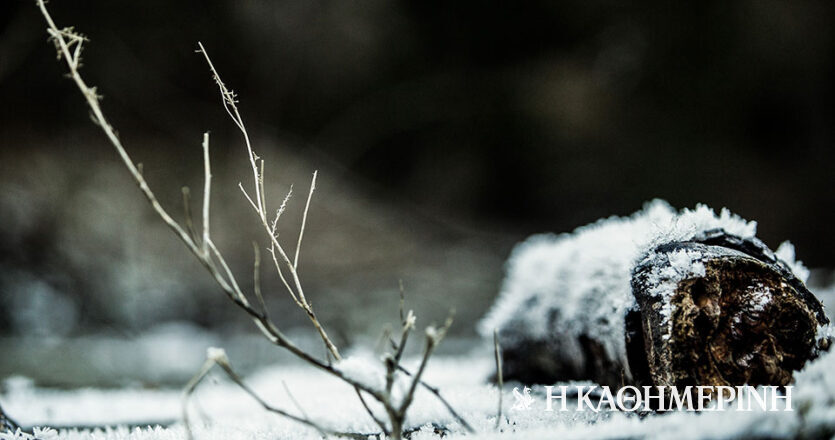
x=761, y=298
x=216, y=354
x=410, y=319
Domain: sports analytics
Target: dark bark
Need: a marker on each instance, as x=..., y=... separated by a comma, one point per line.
x=748, y=320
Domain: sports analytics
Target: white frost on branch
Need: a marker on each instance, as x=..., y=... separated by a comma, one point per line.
x=216, y=354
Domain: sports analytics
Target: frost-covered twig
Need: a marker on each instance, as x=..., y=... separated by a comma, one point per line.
x=217, y=357
x=229, y=100
x=407, y=320
x=296, y=291
x=435, y=391
x=189, y=390
x=433, y=338
x=69, y=46
x=207, y=253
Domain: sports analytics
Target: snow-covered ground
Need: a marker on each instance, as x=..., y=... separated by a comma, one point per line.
x=222, y=411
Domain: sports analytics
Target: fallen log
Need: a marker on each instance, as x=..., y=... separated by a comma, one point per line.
x=658, y=298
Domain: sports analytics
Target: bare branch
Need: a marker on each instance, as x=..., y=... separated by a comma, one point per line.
x=371, y=414
x=63, y=39
x=256, y=279
x=408, y=325
x=260, y=185
x=187, y=213
x=239, y=381
x=229, y=275
x=187, y=392
x=434, y=390
x=218, y=357
x=69, y=46
x=497, y=351
x=207, y=192
x=283, y=279
x=230, y=104
x=241, y=186
x=304, y=219
x=433, y=337
x=437, y=393
x=60, y=38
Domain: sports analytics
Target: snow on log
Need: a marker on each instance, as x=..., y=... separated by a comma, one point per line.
x=657, y=298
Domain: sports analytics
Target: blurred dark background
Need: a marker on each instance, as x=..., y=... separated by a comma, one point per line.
x=444, y=132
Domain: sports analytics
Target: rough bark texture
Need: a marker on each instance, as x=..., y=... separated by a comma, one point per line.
x=746, y=319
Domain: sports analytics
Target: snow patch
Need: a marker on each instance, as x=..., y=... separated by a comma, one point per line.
x=363, y=369
x=234, y=416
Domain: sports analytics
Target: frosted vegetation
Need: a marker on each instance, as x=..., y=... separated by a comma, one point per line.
x=581, y=275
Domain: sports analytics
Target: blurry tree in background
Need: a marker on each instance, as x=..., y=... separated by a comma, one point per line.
x=444, y=132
